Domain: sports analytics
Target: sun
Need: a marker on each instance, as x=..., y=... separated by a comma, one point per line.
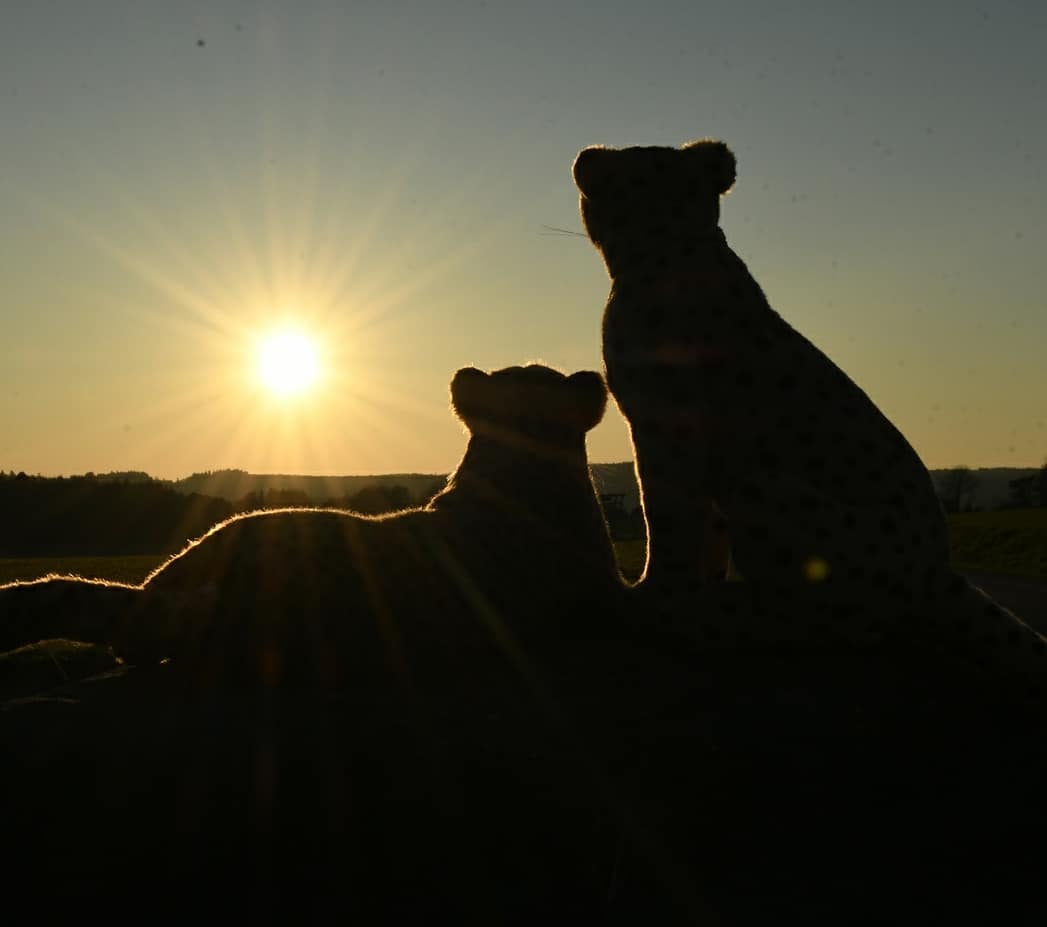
x=287, y=362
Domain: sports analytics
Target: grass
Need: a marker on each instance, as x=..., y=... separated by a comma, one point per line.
x=1009, y=541
x=631, y=555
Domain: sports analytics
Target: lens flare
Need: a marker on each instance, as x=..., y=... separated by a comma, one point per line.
x=816, y=570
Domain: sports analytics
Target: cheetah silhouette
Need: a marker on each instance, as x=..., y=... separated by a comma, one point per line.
x=740, y=424
x=513, y=548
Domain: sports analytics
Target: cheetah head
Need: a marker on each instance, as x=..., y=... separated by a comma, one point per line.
x=635, y=200
x=532, y=406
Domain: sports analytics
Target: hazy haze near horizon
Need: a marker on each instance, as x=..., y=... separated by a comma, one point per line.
x=175, y=180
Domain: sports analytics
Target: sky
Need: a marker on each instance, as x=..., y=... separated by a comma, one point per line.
x=176, y=180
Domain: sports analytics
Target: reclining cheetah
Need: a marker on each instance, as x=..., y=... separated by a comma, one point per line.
x=733, y=411
x=517, y=534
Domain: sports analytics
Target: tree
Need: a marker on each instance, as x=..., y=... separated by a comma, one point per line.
x=1021, y=492
x=431, y=490
x=272, y=499
x=379, y=499
x=957, y=488
x=1028, y=492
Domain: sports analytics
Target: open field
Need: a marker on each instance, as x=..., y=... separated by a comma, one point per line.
x=1007, y=541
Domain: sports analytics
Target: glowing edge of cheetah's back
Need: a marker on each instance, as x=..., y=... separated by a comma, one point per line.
x=256, y=513
x=69, y=577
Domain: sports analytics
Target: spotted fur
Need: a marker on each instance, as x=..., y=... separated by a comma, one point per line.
x=739, y=420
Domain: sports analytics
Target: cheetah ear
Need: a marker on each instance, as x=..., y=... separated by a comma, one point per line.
x=589, y=393
x=591, y=167
x=468, y=388
x=714, y=160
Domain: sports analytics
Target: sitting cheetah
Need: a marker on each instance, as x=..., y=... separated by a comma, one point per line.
x=516, y=533
x=733, y=411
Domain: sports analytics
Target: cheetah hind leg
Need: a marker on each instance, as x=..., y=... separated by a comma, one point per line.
x=868, y=577
x=714, y=562
x=786, y=532
x=756, y=616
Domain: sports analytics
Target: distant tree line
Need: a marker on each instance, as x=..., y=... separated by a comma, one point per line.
x=83, y=515
x=1029, y=492
x=622, y=524
x=105, y=516
x=377, y=499
x=958, y=487
x=126, y=513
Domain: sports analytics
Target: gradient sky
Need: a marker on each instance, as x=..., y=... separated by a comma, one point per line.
x=383, y=173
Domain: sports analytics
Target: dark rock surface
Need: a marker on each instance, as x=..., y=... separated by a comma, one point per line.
x=616, y=781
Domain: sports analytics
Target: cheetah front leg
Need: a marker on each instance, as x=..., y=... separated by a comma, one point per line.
x=688, y=543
